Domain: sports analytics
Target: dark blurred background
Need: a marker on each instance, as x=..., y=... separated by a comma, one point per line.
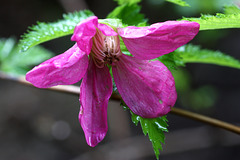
x=37, y=124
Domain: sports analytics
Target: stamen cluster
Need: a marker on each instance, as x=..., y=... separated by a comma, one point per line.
x=105, y=49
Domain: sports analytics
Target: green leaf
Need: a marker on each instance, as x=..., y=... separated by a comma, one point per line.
x=171, y=60
x=114, y=23
x=179, y=2
x=43, y=32
x=13, y=62
x=129, y=14
x=153, y=127
x=121, y=2
x=194, y=54
x=219, y=21
x=231, y=10
x=6, y=46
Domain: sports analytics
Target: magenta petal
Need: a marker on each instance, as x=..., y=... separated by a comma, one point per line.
x=84, y=32
x=148, y=88
x=95, y=91
x=66, y=68
x=106, y=30
x=157, y=39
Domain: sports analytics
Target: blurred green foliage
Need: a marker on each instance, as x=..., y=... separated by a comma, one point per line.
x=203, y=7
x=122, y=2
x=13, y=62
x=179, y=2
x=200, y=99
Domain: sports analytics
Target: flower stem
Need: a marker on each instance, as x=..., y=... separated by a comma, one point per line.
x=177, y=111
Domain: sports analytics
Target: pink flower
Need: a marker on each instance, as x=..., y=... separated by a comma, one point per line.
x=147, y=87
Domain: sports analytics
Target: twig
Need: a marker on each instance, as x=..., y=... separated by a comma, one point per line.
x=205, y=119
x=177, y=111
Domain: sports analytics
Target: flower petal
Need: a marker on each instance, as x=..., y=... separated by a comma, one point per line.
x=157, y=39
x=95, y=91
x=84, y=32
x=148, y=88
x=66, y=68
x=106, y=30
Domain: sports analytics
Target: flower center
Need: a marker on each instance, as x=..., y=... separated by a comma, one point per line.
x=105, y=49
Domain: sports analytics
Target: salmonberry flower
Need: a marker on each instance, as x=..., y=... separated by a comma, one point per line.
x=147, y=87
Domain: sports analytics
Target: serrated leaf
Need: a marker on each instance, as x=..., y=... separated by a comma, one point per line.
x=153, y=127
x=13, y=62
x=43, y=32
x=129, y=14
x=194, y=54
x=179, y=2
x=219, y=21
x=121, y=2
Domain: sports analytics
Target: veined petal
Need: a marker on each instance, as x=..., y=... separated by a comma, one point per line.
x=148, y=88
x=95, y=91
x=84, y=32
x=158, y=39
x=64, y=69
